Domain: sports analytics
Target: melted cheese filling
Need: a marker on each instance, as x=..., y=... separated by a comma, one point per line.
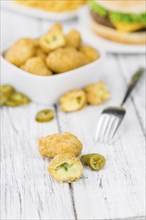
x=67, y=172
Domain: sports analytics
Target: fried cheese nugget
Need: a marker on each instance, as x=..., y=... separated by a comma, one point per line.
x=73, y=101
x=21, y=51
x=73, y=39
x=53, y=39
x=90, y=53
x=36, y=65
x=97, y=93
x=65, y=168
x=56, y=27
x=55, y=144
x=65, y=59
x=40, y=53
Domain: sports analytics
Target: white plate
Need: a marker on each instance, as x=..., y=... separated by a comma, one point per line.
x=37, y=13
x=107, y=45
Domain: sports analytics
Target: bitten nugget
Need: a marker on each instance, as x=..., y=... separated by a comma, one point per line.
x=90, y=53
x=53, y=39
x=66, y=168
x=21, y=51
x=73, y=39
x=97, y=93
x=54, y=144
x=65, y=59
x=73, y=101
x=36, y=65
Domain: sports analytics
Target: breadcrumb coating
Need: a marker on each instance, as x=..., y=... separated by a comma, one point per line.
x=55, y=144
x=97, y=93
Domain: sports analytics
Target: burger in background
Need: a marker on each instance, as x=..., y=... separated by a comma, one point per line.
x=119, y=20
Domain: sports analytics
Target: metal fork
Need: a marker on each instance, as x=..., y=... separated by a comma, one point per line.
x=111, y=117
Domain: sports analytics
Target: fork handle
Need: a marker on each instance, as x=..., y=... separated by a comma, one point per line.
x=134, y=80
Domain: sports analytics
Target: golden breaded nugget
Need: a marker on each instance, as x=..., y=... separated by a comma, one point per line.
x=55, y=144
x=36, y=65
x=21, y=51
x=90, y=53
x=40, y=53
x=97, y=93
x=65, y=59
x=73, y=100
x=56, y=27
x=65, y=168
x=73, y=39
x=53, y=39
x=36, y=41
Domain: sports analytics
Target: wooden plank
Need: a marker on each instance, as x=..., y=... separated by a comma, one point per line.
x=27, y=190
x=118, y=190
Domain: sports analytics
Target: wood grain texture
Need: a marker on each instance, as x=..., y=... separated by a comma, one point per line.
x=27, y=191
x=116, y=192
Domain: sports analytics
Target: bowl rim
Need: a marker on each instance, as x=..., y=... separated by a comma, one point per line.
x=59, y=75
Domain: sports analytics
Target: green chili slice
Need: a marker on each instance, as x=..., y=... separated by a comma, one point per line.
x=3, y=99
x=19, y=99
x=97, y=162
x=94, y=161
x=45, y=115
x=10, y=103
x=7, y=90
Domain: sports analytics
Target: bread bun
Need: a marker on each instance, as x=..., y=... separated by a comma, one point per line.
x=114, y=35
x=124, y=6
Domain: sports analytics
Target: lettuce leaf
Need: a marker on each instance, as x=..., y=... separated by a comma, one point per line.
x=129, y=18
x=97, y=8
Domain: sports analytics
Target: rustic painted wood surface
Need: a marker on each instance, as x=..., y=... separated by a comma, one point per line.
x=116, y=192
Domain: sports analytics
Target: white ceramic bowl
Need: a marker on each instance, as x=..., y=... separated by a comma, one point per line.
x=48, y=89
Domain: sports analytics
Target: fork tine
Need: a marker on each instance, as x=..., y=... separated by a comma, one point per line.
x=103, y=128
x=99, y=125
x=109, y=126
x=117, y=128
x=113, y=129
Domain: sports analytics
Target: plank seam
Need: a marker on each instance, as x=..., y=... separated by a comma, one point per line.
x=70, y=185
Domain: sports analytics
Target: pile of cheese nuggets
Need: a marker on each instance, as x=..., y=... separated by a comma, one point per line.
x=54, y=52
x=64, y=149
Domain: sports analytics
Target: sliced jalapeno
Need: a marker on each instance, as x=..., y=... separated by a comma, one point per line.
x=86, y=158
x=94, y=161
x=45, y=115
x=10, y=103
x=97, y=162
x=7, y=90
x=19, y=98
x=3, y=99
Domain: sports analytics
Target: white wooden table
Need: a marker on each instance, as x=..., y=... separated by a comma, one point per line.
x=116, y=192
